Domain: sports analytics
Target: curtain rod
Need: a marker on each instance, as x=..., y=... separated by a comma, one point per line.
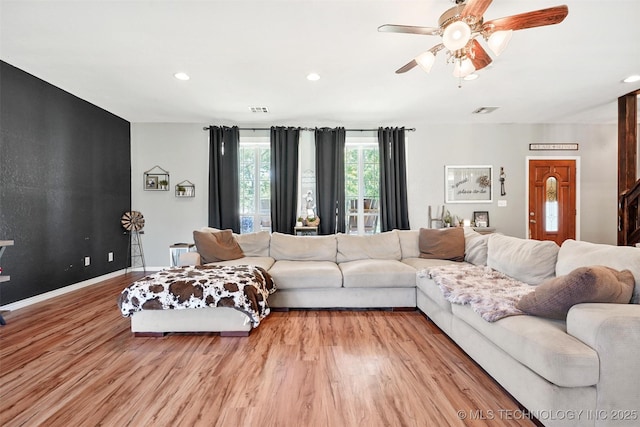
x=310, y=129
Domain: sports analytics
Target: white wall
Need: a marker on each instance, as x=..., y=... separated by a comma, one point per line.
x=433, y=147
x=182, y=149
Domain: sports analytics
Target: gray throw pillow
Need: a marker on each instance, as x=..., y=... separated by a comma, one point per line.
x=556, y=296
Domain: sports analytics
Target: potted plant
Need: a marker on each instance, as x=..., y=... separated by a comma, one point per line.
x=163, y=184
x=313, y=221
x=446, y=218
x=181, y=190
x=299, y=221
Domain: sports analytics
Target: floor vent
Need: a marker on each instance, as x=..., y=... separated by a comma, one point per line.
x=259, y=109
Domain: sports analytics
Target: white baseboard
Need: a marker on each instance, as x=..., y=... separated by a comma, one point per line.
x=61, y=291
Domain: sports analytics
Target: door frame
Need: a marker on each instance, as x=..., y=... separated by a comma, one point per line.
x=526, y=189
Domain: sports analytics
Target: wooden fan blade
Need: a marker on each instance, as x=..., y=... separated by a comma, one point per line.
x=475, y=8
x=537, y=18
x=408, y=29
x=410, y=65
x=481, y=58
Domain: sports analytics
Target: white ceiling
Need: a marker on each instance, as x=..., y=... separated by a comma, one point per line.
x=121, y=56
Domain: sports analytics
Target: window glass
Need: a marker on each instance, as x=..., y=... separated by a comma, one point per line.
x=362, y=186
x=551, y=205
x=255, y=186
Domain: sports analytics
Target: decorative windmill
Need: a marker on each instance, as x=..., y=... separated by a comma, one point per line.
x=133, y=223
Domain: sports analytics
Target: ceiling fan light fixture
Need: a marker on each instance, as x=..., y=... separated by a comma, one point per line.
x=463, y=68
x=499, y=40
x=456, y=35
x=426, y=60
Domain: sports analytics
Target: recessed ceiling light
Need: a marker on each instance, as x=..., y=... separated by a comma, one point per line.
x=632, y=79
x=181, y=76
x=471, y=76
x=313, y=77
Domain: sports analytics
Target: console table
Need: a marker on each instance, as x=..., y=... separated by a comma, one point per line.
x=484, y=230
x=3, y=277
x=305, y=231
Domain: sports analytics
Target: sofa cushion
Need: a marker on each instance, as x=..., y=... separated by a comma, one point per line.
x=475, y=246
x=574, y=254
x=529, y=261
x=303, y=248
x=368, y=273
x=218, y=246
x=554, y=297
x=254, y=244
x=375, y=246
x=433, y=291
x=306, y=274
x=426, y=263
x=540, y=344
x=409, y=243
x=445, y=243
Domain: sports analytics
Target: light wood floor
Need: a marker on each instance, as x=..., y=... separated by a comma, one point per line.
x=72, y=361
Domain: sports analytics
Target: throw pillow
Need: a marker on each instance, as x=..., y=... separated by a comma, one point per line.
x=254, y=244
x=574, y=254
x=475, y=246
x=445, y=243
x=556, y=296
x=526, y=260
x=218, y=246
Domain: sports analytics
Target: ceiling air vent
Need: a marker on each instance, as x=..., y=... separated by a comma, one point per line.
x=259, y=109
x=485, y=110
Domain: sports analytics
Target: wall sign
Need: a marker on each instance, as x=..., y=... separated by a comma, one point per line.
x=563, y=146
x=468, y=184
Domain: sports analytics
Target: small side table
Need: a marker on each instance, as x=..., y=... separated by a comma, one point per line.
x=179, y=248
x=305, y=231
x=485, y=230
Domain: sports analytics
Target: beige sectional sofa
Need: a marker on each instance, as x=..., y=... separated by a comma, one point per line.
x=582, y=371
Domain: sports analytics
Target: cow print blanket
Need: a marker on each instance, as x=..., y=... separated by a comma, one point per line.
x=243, y=287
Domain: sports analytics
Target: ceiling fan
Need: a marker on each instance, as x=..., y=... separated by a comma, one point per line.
x=461, y=26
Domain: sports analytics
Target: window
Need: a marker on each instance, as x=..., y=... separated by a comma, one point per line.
x=362, y=185
x=551, y=206
x=255, y=185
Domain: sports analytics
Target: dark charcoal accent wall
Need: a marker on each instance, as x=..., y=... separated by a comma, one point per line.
x=65, y=181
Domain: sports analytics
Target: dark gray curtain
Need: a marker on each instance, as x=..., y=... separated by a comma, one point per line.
x=330, y=180
x=394, y=213
x=224, y=199
x=284, y=178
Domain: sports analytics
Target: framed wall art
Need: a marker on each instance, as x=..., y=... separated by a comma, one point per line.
x=468, y=184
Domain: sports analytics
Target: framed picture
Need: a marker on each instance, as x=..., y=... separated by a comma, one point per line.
x=468, y=184
x=481, y=218
x=151, y=182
